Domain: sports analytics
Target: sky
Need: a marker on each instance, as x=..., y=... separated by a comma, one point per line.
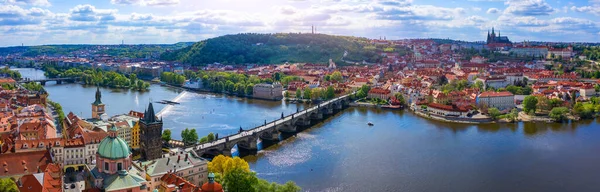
x=37, y=22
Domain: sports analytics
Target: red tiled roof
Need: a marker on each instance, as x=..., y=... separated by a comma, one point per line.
x=495, y=94
x=33, y=160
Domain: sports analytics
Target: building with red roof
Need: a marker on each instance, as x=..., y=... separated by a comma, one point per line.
x=501, y=100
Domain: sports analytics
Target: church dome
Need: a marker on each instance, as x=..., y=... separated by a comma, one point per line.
x=113, y=147
x=211, y=185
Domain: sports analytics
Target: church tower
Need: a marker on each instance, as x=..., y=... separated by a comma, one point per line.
x=97, y=106
x=150, y=135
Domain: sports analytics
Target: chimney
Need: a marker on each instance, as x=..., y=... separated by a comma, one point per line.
x=186, y=157
x=178, y=158
x=145, y=167
x=168, y=159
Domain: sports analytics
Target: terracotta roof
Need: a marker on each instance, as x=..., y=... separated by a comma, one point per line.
x=184, y=185
x=24, y=163
x=495, y=94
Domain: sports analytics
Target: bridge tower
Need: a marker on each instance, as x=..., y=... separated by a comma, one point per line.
x=97, y=106
x=150, y=133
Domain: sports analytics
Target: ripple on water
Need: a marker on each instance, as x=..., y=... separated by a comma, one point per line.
x=293, y=153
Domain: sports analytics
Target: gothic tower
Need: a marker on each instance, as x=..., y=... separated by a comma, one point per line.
x=97, y=106
x=150, y=135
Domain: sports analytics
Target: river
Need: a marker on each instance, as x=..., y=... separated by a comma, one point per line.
x=401, y=152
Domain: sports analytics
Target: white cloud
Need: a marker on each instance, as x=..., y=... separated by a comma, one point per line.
x=528, y=7
x=493, y=11
x=587, y=9
x=88, y=12
x=145, y=2
x=44, y=3
x=287, y=10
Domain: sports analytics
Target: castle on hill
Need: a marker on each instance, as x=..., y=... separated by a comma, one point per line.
x=493, y=39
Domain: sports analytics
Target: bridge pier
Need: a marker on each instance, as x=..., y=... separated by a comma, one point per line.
x=58, y=82
x=43, y=83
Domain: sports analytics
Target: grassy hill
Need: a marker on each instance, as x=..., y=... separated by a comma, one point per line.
x=275, y=48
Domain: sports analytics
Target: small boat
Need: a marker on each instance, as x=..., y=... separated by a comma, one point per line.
x=370, y=124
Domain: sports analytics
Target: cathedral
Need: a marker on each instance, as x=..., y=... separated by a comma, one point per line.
x=492, y=38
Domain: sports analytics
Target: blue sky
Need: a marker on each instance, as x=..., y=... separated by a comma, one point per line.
x=35, y=22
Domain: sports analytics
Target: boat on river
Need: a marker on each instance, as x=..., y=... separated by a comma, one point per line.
x=370, y=124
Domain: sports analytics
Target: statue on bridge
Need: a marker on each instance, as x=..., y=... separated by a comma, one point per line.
x=282, y=115
x=241, y=130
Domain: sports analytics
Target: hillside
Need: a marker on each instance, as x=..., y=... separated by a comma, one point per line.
x=130, y=51
x=274, y=48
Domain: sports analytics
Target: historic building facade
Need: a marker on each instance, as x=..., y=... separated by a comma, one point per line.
x=150, y=135
x=98, y=107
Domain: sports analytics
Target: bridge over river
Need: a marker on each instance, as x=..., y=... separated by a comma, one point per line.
x=269, y=132
x=43, y=81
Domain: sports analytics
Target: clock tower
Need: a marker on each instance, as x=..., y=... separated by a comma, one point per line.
x=97, y=105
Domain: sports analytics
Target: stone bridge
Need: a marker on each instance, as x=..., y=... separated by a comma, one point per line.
x=43, y=81
x=269, y=133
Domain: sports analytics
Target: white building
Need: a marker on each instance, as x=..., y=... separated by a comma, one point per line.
x=268, y=91
x=500, y=100
x=495, y=82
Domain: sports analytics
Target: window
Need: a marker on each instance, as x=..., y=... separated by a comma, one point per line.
x=119, y=166
x=105, y=165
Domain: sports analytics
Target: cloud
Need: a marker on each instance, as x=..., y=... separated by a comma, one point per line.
x=528, y=7
x=493, y=11
x=145, y=2
x=287, y=10
x=141, y=17
x=587, y=9
x=12, y=15
x=88, y=12
x=43, y=3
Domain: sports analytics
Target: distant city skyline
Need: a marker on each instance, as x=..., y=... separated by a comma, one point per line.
x=38, y=22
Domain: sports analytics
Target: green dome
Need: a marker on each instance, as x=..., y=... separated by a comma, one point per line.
x=113, y=148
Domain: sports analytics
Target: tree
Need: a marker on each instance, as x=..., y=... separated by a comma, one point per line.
x=166, y=135
x=494, y=113
x=298, y=94
x=400, y=98
x=529, y=104
x=337, y=76
x=189, y=136
x=330, y=93
x=478, y=85
x=8, y=185
x=558, y=114
x=286, y=94
x=306, y=93
x=316, y=94
x=240, y=180
x=211, y=136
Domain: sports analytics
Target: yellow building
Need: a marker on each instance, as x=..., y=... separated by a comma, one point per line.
x=135, y=136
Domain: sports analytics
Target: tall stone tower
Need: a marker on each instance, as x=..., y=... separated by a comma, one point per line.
x=150, y=135
x=97, y=105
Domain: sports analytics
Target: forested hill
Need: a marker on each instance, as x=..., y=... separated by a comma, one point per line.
x=275, y=48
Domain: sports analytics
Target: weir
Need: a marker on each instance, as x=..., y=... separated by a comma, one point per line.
x=270, y=132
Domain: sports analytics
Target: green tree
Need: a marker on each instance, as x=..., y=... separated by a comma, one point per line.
x=337, y=76
x=529, y=104
x=211, y=136
x=249, y=89
x=330, y=92
x=306, y=93
x=298, y=93
x=400, y=98
x=558, y=114
x=166, y=135
x=189, y=136
x=8, y=185
x=240, y=180
x=494, y=113
x=478, y=85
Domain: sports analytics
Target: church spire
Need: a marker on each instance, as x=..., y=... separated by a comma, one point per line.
x=149, y=115
x=98, y=97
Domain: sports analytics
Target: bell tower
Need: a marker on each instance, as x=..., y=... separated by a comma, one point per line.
x=97, y=106
x=150, y=134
